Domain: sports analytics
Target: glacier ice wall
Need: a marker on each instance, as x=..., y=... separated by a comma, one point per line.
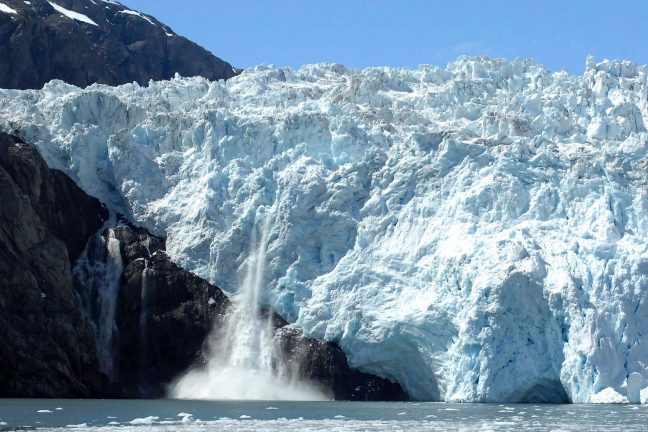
x=477, y=233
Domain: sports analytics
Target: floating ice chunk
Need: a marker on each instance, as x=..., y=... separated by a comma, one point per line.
x=634, y=383
x=145, y=420
x=186, y=417
x=44, y=411
x=608, y=396
x=244, y=417
x=644, y=395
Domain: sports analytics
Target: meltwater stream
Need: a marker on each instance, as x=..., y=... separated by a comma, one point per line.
x=98, y=270
x=243, y=363
x=147, y=281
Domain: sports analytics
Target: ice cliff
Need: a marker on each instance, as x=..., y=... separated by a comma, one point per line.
x=477, y=233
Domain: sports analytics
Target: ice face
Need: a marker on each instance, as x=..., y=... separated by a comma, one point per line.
x=477, y=233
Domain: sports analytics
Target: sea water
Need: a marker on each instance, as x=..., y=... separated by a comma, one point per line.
x=179, y=415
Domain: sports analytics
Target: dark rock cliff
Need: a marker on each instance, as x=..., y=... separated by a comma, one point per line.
x=46, y=343
x=325, y=363
x=163, y=317
x=108, y=44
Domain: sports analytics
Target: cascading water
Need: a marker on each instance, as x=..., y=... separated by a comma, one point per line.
x=143, y=320
x=99, y=272
x=242, y=361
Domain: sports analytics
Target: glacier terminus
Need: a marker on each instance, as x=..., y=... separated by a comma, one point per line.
x=487, y=221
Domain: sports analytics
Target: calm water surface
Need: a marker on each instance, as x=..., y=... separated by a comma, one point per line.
x=173, y=415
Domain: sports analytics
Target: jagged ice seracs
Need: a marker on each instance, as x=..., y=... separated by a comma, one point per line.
x=476, y=233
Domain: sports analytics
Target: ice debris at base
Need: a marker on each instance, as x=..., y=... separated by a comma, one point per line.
x=608, y=396
x=144, y=420
x=625, y=422
x=487, y=222
x=186, y=417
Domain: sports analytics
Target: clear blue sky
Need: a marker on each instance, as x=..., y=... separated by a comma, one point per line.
x=359, y=33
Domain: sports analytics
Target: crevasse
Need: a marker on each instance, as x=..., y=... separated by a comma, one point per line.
x=477, y=233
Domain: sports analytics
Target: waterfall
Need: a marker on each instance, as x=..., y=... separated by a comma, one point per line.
x=99, y=270
x=143, y=319
x=242, y=361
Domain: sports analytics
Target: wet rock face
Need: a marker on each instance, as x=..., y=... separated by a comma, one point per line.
x=164, y=315
x=326, y=364
x=46, y=343
x=109, y=44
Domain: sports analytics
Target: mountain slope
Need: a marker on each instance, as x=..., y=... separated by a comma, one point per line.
x=46, y=343
x=487, y=221
x=94, y=41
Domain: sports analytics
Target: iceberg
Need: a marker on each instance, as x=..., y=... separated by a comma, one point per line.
x=608, y=396
x=476, y=233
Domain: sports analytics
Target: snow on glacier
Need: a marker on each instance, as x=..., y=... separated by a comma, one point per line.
x=477, y=233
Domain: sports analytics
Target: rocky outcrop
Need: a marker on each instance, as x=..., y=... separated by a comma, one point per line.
x=326, y=364
x=163, y=317
x=46, y=343
x=83, y=42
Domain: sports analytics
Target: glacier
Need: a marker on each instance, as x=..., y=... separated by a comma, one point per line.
x=476, y=232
